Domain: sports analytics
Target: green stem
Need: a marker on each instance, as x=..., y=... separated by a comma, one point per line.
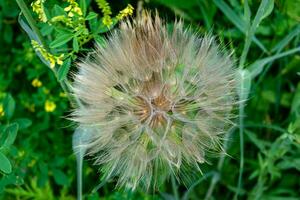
x=216, y=176
x=31, y=21
x=241, y=131
x=174, y=187
x=212, y=185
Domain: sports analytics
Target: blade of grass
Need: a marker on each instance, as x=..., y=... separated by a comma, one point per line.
x=237, y=21
x=261, y=13
x=31, y=21
x=278, y=48
x=187, y=193
x=280, y=45
x=257, y=67
x=32, y=35
x=207, y=22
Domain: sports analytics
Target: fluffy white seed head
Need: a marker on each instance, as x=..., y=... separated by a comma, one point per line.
x=158, y=101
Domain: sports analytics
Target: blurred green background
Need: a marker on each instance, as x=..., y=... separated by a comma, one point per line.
x=36, y=158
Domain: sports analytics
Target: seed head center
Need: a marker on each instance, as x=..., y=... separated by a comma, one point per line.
x=153, y=111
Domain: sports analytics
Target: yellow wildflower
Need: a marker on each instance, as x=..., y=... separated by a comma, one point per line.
x=128, y=11
x=1, y=110
x=38, y=8
x=77, y=10
x=73, y=8
x=46, y=55
x=107, y=21
x=50, y=106
x=36, y=83
x=67, y=9
x=106, y=10
x=59, y=59
x=62, y=18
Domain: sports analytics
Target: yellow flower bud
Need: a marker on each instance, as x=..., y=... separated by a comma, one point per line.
x=70, y=14
x=36, y=83
x=38, y=8
x=107, y=21
x=67, y=9
x=125, y=12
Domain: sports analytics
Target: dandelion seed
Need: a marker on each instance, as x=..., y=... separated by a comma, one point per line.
x=159, y=102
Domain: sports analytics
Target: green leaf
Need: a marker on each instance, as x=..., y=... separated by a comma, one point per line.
x=60, y=177
x=268, y=9
x=82, y=5
x=23, y=123
x=91, y=15
x=61, y=39
x=9, y=105
x=46, y=29
x=11, y=134
x=5, y=165
x=265, y=8
x=57, y=10
x=64, y=69
x=100, y=40
x=75, y=44
x=252, y=29
x=247, y=12
x=237, y=21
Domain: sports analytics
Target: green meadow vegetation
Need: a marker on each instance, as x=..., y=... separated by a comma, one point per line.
x=40, y=42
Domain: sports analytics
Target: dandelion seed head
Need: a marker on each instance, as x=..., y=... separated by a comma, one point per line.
x=158, y=101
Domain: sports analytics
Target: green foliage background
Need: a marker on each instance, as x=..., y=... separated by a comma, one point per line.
x=36, y=158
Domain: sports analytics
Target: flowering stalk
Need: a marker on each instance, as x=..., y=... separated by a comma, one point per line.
x=106, y=10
